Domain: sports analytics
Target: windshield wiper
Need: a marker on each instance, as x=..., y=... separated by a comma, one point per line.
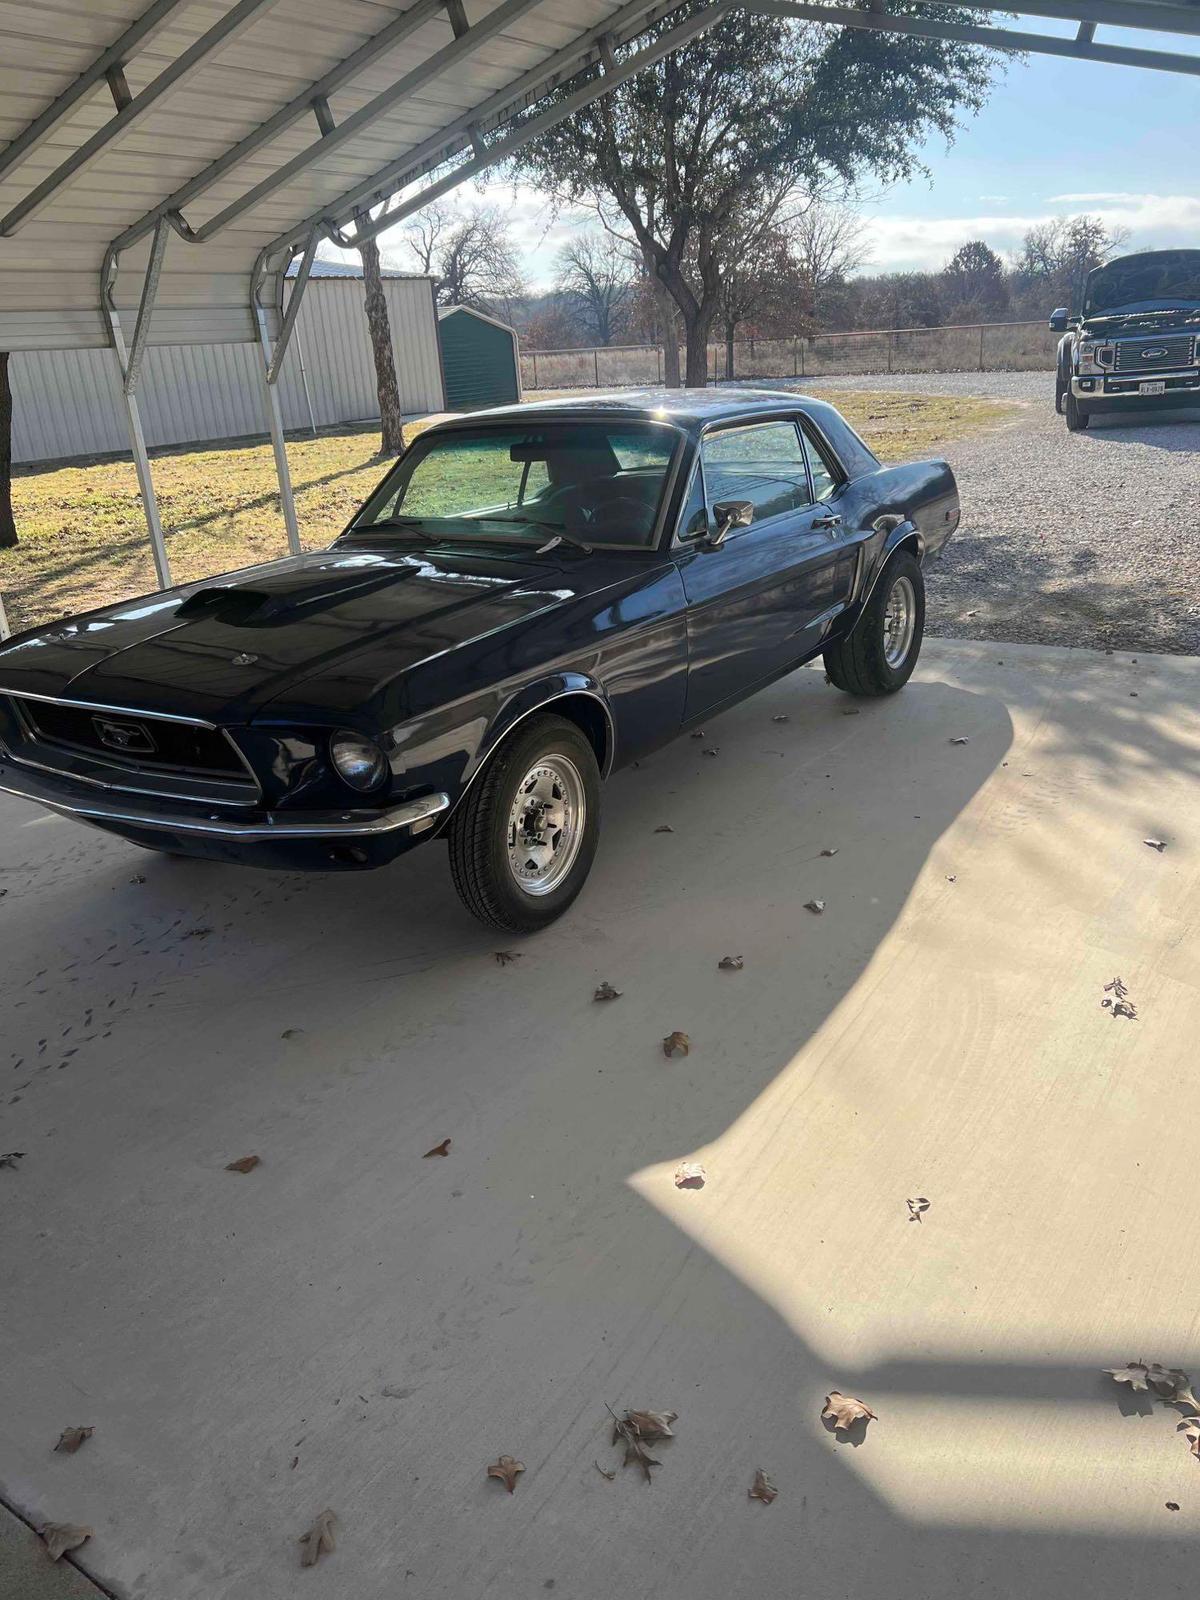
x=561, y=538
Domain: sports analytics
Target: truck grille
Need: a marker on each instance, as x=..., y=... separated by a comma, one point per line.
x=1149, y=354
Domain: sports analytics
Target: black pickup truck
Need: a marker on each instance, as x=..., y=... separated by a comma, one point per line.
x=1134, y=342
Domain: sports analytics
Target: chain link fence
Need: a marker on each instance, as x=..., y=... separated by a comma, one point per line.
x=978, y=347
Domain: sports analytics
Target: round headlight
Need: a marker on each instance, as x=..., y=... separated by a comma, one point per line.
x=358, y=760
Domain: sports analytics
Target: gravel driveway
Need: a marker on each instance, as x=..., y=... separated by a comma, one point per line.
x=1067, y=538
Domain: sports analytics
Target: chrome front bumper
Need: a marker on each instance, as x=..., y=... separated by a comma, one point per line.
x=1109, y=386
x=117, y=813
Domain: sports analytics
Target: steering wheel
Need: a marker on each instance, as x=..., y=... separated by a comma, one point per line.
x=602, y=510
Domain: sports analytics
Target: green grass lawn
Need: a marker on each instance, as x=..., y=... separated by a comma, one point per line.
x=83, y=538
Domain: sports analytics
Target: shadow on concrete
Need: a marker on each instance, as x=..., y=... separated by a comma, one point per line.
x=163, y=1015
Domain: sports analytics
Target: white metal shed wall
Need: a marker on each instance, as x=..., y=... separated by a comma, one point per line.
x=67, y=402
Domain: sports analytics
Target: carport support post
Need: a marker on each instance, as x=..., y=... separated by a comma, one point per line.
x=141, y=456
x=278, y=445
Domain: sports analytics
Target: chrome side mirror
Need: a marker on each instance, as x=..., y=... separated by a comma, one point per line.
x=728, y=515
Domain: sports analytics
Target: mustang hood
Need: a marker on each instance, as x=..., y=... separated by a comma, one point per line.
x=222, y=649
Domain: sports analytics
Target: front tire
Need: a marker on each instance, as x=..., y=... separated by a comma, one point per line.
x=1077, y=417
x=877, y=657
x=523, y=840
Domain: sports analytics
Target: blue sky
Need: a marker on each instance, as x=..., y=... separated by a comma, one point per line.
x=1057, y=137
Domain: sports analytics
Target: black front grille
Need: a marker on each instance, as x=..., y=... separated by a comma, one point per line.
x=1149, y=354
x=144, y=743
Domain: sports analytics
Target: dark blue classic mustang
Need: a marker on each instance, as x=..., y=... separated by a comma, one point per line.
x=531, y=598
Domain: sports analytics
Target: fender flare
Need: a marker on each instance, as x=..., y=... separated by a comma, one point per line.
x=538, y=696
x=904, y=533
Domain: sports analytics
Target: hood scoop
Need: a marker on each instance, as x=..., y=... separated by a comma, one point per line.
x=303, y=594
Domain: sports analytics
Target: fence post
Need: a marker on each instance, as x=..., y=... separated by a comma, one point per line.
x=891, y=339
x=533, y=353
x=982, y=368
x=795, y=361
x=802, y=350
x=658, y=363
x=596, y=364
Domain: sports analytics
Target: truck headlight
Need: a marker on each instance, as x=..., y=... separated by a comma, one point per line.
x=358, y=760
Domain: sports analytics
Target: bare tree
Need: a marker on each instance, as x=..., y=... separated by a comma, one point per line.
x=8, y=523
x=471, y=258
x=391, y=417
x=829, y=241
x=594, y=272
x=764, y=284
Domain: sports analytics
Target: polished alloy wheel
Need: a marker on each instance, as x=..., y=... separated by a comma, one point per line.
x=899, y=622
x=546, y=824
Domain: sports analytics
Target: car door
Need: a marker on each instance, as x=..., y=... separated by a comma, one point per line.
x=759, y=602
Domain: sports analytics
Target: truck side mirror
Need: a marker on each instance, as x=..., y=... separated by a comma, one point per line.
x=1058, y=320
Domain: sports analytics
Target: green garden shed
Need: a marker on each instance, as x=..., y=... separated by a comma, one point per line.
x=481, y=359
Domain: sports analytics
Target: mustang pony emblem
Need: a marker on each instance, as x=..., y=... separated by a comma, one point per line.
x=243, y=659
x=130, y=737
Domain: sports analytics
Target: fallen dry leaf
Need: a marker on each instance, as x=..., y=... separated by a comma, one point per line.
x=699, y=733
x=442, y=1149
x=504, y=958
x=1136, y=1374
x=1190, y=1429
x=850, y=711
x=709, y=750
x=1156, y=844
x=731, y=963
x=915, y=1208
x=636, y=1430
x=664, y=828
x=320, y=1540
x=832, y=852
x=70, y=1439
x=952, y=877
x=11, y=1157
x=243, y=1164
x=138, y=877
x=844, y=1410
x=606, y=992
x=676, y=1044
x=762, y=1488
x=779, y=718
x=59, y=1537
x=1171, y=1505
x=690, y=1175
x=604, y=1472
x=815, y=906
x=960, y=738
x=506, y=1469
x=291, y=1033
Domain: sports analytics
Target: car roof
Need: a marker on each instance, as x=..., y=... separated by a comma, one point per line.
x=690, y=409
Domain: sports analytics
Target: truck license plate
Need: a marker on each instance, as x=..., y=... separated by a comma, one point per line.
x=1158, y=387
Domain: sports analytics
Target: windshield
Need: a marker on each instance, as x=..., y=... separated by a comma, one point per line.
x=1145, y=285
x=593, y=483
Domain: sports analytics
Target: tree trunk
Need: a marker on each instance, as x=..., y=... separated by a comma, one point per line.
x=730, y=330
x=8, y=524
x=696, y=376
x=391, y=427
x=666, y=321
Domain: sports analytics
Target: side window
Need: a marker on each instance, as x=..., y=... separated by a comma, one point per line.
x=825, y=477
x=762, y=463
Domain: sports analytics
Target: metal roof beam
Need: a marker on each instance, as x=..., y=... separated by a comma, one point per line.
x=593, y=89
x=626, y=24
x=994, y=38
x=221, y=33
x=509, y=11
x=295, y=110
x=1156, y=16
x=115, y=56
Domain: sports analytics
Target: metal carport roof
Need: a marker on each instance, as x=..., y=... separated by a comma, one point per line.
x=161, y=161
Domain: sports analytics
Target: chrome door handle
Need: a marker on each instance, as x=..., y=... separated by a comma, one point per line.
x=832, y=522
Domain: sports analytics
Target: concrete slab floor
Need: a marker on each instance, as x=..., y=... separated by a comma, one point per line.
x=354, y=1326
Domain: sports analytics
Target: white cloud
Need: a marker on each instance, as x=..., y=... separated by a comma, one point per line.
x=915, y=243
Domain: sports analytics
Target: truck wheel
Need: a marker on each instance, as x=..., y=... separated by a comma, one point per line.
x=523, y=840
x=1077, y=418
x=877, y=657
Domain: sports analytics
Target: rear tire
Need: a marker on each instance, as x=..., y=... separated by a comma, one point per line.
x=1077, y=417
x=523, y=840
x=878, y=656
